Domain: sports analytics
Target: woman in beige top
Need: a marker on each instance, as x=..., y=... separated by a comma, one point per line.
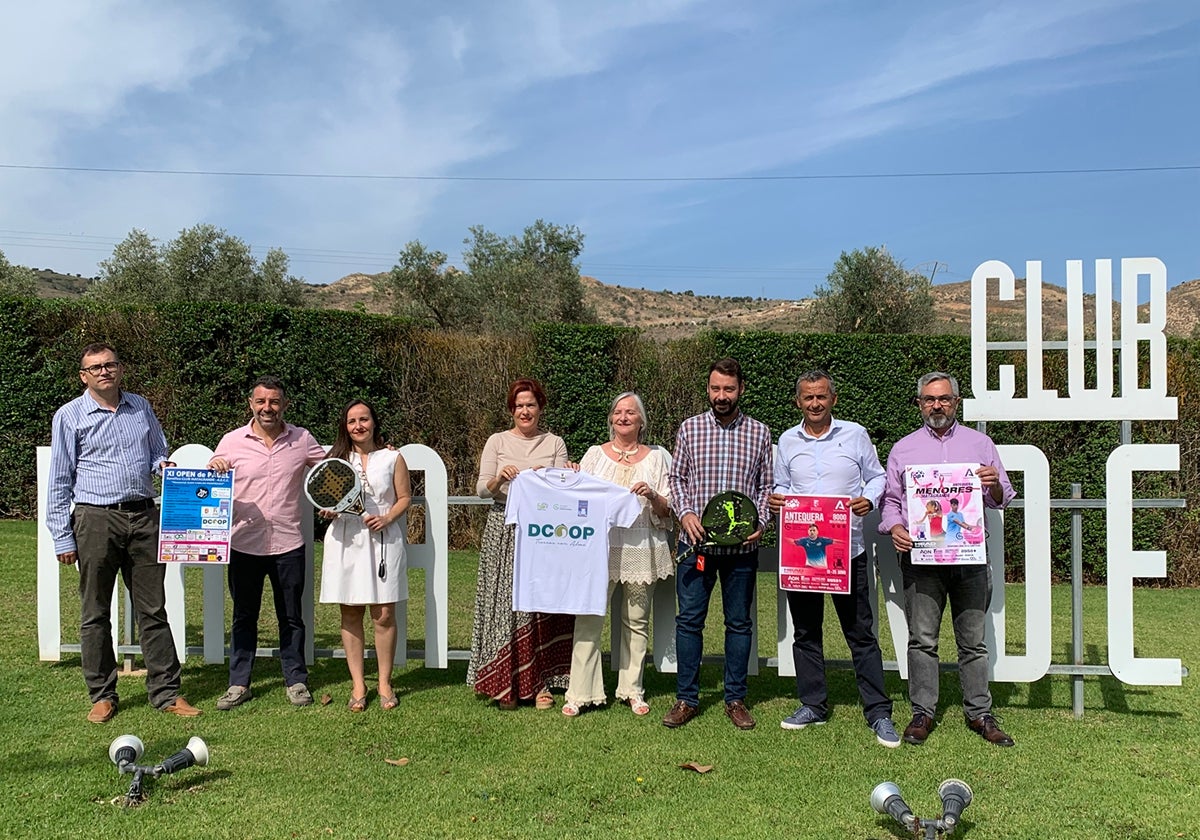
x=515, y=655
x=639, y=557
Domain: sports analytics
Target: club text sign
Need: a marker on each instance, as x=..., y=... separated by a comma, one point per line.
x=1103, y=402
x=1113, y=398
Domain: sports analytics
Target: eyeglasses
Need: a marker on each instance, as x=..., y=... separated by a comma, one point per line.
x=946, y=399
x=96, y=370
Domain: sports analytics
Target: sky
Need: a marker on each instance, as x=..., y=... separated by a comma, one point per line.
x=724, y=148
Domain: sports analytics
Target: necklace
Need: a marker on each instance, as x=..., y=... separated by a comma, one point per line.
x=625, y=454
x=362, y=468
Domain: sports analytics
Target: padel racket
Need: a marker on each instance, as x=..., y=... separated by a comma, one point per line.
x=334, y=484
x=727, y=520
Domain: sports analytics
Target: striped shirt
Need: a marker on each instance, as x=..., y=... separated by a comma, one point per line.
x=100, y=457
x=710, y=458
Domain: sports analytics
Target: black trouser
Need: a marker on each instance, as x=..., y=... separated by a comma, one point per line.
x=855, y=614
x=286, y=573
x=109, y=542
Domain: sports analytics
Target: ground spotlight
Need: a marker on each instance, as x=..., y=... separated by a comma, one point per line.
x=886, y=799
x=196, y=752
x=955, y=794
x=127, y=749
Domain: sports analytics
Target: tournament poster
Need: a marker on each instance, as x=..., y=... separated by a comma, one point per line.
x=814, y=544
x=196, y=517
x=945, y=514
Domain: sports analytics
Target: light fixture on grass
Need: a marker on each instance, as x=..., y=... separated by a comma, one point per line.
x=127, y=749
x=955, y=794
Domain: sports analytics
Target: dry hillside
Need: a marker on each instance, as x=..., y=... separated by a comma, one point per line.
x=675, y=314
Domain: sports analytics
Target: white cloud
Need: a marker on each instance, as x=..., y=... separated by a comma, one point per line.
x=514, y=88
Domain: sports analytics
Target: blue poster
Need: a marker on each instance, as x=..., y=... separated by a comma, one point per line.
x=196, y=516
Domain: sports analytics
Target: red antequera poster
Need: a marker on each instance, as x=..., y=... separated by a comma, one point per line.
x=814, y=544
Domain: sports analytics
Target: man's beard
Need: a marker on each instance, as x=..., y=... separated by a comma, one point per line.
x=939, y=421
x=723, y=408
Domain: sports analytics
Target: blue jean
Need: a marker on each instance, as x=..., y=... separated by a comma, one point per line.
x=286, y=573
x=738, y=574
x=926, y=590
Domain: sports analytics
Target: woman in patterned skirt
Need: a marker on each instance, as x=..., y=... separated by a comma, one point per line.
x=515, y=655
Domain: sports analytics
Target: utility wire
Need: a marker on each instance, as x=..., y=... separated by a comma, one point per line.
x=834, y=176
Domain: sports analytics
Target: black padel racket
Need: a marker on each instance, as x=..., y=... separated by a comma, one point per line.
x=727, y=520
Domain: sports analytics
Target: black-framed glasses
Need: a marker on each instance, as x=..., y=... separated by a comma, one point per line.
x=945, y=399
x=106, y=367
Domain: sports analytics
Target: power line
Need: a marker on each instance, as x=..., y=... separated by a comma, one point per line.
x=830, y=176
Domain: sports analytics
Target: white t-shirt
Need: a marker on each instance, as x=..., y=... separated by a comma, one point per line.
x=561, y=552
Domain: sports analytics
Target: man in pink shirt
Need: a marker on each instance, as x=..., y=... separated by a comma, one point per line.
x=270, y=459
x=943, y=440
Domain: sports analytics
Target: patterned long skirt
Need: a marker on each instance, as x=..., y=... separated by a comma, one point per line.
x=514, y=655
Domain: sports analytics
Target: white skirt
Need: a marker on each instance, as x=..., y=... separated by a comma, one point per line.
x=350, y=569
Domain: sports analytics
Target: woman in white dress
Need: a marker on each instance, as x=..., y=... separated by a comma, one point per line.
x=364, y=563
x=639, y=557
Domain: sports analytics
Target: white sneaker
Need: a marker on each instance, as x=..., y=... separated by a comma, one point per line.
x=885, y=733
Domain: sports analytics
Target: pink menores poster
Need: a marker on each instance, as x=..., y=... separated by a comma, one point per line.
x=945, y=513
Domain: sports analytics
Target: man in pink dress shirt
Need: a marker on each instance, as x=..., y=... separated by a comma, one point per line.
x=270, y=459
x=968, y=588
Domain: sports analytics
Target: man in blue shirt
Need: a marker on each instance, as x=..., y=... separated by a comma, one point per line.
x=955, y=524
x=106, y=445
x=829, y=457
x=814, y=547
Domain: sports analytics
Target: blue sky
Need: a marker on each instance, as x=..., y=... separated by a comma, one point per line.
x=630, y=94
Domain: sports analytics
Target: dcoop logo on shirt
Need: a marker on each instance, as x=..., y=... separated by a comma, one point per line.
x=572, y=532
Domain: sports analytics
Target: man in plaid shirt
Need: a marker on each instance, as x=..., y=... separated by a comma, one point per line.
x=715, y=452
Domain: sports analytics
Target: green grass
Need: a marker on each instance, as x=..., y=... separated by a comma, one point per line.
x=1127, y=770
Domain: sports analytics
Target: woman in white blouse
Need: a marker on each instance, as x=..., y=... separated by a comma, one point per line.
x=639, y=557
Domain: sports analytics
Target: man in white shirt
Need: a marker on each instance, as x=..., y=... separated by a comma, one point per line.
x=825, y=456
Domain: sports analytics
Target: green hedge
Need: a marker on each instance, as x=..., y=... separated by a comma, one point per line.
x=195, y=363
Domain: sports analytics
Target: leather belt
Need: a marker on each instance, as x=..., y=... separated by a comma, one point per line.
x=130, y=506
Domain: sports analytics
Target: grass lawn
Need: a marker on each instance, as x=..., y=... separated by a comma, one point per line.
x=1129, y=769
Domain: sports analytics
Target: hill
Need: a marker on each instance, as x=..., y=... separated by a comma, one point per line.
x=675, y=314
x=670, y=314
x=51, y=284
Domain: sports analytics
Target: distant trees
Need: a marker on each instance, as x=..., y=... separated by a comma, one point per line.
x=505, y=283
x=16, y=280
x=869, y=291
x=202, y=263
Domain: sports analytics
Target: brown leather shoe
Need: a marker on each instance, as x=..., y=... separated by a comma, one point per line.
x=990, y=731
x=182, y=708
x=739, y=714
x=680, y=714
x=102, y=711
x=917, y=731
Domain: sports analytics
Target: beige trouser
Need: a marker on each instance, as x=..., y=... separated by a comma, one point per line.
x=587, y=679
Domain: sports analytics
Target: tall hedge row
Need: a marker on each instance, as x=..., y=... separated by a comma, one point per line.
x=195, y=363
